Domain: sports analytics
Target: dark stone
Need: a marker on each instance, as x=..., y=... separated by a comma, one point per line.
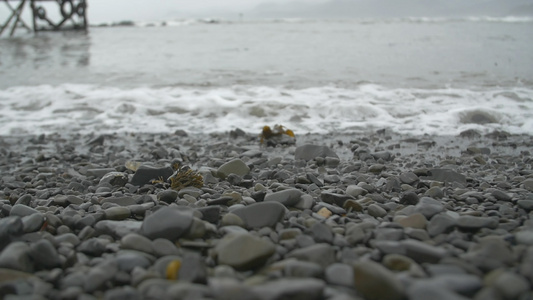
x=261, y=214
x=210, y=214
x=168, y=222
x=334, y=198
x=145, y=174
x=409, y=198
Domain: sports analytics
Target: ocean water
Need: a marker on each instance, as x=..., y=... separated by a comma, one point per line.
x=412, y=76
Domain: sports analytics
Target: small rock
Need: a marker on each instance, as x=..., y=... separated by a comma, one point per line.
x=167, y=222
x=428, y=207
x=500, y=195
x=262, y=214
x=136, y=242
x=115, y=179
x=376, y=211
x=441, y=223
x=322, y=254
x=16, y=257
x=375, y=282
x=117, y=213
x=22, y=210
x=475, y=223
x=490, y=253
x=289, y=197
x=236, y=166
x=416, y=220
x=168, y=196
x=409, y=198
x=145, y=174
x=44, y=254
x=243, y=251
x=340, y=274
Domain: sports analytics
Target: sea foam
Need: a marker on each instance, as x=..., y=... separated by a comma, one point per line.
x=327, y=109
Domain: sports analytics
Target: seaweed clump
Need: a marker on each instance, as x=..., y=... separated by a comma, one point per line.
x=184, y=177
x=277, y=135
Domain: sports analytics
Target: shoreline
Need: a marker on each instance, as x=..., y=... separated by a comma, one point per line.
x=449, y=215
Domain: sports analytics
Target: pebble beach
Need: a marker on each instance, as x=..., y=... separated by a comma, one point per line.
x=341, y=216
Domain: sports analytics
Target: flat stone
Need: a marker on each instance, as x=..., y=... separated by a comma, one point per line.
x=309, y=152
x=291, y=288
x=10, y=227
x=416, y=220
x=490, y=253
x=525, y=237
x=501, y=195
x=145, y=174
x=441, y=223
x=508, y=284
x=409, y=178
x=261, y=214
x=167, y=222
x=322, y=254
x=122, y=201
x=352, y=205
x=118, y=229
x=340, y=274
x=334, y=198
x=525, y=204
x=163, y=247
x=428, y=207
x=115, y=179
x=422, y=252
x=16, y=257
x=243, y=251
x=22, y=210
x=236, y=166
x=44, y=254
x=398, y=262
x=289, y=197
x=355, y=191
x=117, y=213
x=409, y=198
x=193, y=269
x=475, y=223
x=296, y=268
x=376, y=211
x=33, y=222
x=92, y=247
x=376, y=282
x=321, y=233
x=99, y=172
x=137, y=242
x=97, y=277
x=210, y=214
x=128, y=260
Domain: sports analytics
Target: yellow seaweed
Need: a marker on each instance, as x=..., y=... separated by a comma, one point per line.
x=184, y=177
x=278, y=130
x=172, y=269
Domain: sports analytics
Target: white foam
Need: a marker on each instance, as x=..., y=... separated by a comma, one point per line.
x=328, y=109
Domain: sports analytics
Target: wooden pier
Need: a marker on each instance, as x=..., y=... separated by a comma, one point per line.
x=72, y=16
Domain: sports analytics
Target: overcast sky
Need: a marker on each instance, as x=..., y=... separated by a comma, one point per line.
x=106, y=11
x=146, y=10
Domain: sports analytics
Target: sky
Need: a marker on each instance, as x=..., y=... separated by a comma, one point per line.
x=105, y=11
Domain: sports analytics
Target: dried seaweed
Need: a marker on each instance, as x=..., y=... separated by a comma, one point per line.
x=185, y=177
x=277, y=131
